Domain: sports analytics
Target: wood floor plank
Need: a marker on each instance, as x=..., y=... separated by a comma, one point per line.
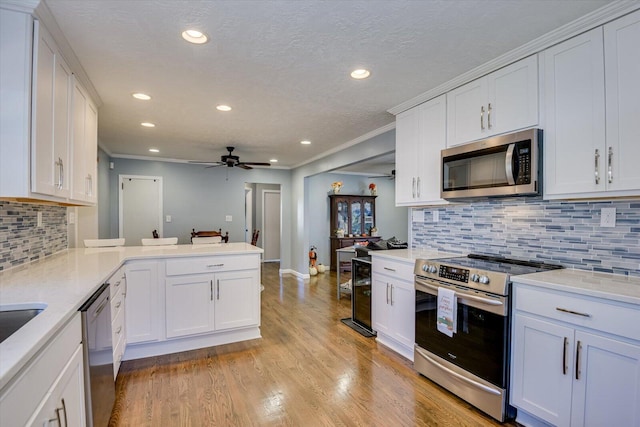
x=308, y=369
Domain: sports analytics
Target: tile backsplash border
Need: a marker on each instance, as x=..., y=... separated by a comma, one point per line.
x=567, y=233
x=22, y=241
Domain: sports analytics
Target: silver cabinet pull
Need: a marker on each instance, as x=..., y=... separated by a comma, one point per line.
x=218, y=289
x=118, y=304
x=119, y=330
x=214, y=265
x=564, y=356
x=597, y=161
x=482, y=117
x=609, y=167
x=413, y=187
x=578, y=351
x=489, y=116
x=89, y=181
x=211, y=289
x=577, y=313
x=60, y=166
x=389, y=269
x=391, y=295
x=387, y=293
x=418, y=186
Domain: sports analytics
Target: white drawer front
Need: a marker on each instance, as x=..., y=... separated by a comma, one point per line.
x=117, y=305
x=601, y=315
x=214, y=264
x=117, y=283
x=117, y=326
x=392, y=268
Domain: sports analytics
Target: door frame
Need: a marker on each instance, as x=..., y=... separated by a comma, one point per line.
x=121, y=179
x=264, y=192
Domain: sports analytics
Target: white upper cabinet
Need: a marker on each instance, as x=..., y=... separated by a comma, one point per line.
x=50, y=117
x=85, y=146
x=420, y=135
x=37, y=126
x=592, y=105
x=503, y=101
x=622, y=85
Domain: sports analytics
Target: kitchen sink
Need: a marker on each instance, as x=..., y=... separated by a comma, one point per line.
x=13, y=317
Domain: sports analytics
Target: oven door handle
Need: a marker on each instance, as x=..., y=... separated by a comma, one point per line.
x=465, y=296
x=459, y=376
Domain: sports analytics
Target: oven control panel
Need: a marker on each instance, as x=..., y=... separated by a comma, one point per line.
x=454, y=273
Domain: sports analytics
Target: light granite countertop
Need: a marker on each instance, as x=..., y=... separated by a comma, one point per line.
x=614, y=287
x=64, y=281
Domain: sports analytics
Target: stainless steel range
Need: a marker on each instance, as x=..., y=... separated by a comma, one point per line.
x=467, y=352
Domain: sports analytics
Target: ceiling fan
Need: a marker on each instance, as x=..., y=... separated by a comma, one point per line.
x=391, y=175
x=230, y=160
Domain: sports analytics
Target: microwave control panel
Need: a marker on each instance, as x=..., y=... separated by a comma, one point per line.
x=523, y=163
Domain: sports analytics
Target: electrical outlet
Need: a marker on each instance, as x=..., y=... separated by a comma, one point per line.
x=72, y=217
x=608, y=217
x=228, y=218
x=417, y=215
x=168, y=219
x=39, y=219
x=436, y=216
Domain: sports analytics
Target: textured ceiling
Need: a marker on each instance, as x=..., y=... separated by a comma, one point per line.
x=282, y=65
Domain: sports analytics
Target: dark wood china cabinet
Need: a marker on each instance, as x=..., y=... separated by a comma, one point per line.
x=356, y=216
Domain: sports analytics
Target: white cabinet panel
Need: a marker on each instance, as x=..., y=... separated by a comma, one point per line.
x=85, y=146
x=236, y=299
x=189, y=305
x=467, y=112
x=143, y=312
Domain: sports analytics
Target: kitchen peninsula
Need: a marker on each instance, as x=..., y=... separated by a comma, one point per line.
x=62, y=282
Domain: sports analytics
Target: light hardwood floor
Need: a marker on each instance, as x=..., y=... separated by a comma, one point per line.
x=308, y=369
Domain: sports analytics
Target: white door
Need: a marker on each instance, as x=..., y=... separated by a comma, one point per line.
x=402, y=300
x=271, y=225
x=140, y=207
x=248, y=214
x=380, y=311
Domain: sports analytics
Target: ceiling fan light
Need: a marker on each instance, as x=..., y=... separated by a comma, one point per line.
x=305, y=142
x=223, y=107
x=274, y=160
x=360, y=73
x=147, y=124
x=154, y=150
x=141, y=96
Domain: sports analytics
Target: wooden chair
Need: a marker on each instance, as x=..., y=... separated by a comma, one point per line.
x=225, y=237
x=254, y=238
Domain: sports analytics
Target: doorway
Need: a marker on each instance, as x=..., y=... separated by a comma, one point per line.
x=263, y=212
x=140, y=207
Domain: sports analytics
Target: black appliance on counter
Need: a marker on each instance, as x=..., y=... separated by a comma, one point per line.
x=360, y=320
x=473, y=363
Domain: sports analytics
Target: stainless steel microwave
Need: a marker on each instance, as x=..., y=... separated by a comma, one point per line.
x=505, y=165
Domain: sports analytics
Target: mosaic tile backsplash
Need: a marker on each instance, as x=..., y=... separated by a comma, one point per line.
x=22, y=241
x=566, y=233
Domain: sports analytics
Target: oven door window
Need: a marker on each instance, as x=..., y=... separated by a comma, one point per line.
x=479, y=345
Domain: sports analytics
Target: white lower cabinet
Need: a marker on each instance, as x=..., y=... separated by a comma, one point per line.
x=51, y=387
x=575, y=359
x=143, y=314
x=201, y=303
x=118, y=289
x=393, y=305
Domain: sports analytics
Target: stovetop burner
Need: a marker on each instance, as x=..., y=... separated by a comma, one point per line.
x=482, y=272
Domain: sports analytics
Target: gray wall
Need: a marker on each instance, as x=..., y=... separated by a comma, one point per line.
x=390, y=220
x=104, y=229
x=199, y=197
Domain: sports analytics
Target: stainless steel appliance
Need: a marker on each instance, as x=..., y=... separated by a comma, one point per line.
x=98, y=357
x=361, y=292
x=474, y=362
x=505, y=165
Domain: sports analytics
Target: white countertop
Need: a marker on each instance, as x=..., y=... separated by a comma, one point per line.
x=411, y=255
x=64, y=281
x=614, y=287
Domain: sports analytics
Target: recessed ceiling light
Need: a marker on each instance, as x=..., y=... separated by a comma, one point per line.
x=141, y=96
x=360, y=74
x=154, y=150
x=195, y=36
x=148, y=125
x=223, y=108
x=305, y=142
x=273, y=160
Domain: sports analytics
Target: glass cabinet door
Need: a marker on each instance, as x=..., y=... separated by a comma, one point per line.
x=356, y=218
x=343, y=216
x=369, y=221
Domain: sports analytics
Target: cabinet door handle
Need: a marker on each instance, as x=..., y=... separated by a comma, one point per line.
x=387, y=293
x=597, y=165
x=211, y=289
x=391, y=294
x=413, y=187
x=389, y=269
x=218, y=289
x=214, y=265
x=578, y=351
x=89, y=185
x=57, y=418
x=118, y=304
x=610, y=167
x=418, y=186
x=564, y=356
x=119, y=330
x=577, y=313
x=489, y=116
x=482, y=117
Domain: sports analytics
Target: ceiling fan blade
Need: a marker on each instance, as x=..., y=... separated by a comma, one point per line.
x=202, y=162
x=255, y=163
x=215, y=166
x=243, y=166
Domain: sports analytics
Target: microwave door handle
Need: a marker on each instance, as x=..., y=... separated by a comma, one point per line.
x=508, y=164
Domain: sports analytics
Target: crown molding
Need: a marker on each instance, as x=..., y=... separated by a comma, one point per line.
x=585, y=23
x=26, y=6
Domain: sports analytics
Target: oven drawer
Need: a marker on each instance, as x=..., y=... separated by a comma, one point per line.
x=606, y=316
x=393, y=268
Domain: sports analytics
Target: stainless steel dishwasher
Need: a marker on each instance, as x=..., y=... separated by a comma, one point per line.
x=99, y=384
